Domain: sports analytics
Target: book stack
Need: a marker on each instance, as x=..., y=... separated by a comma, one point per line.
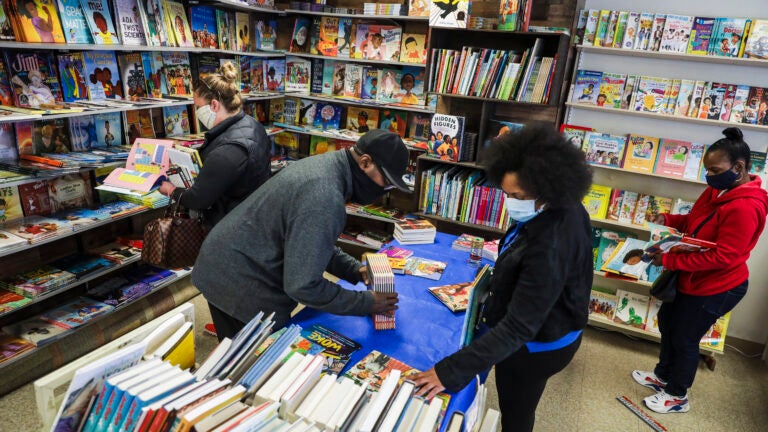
x=10, y=301
x=381, y=280
x=381, y=8
x=12, y=346
x=418, y=231
x=36, y=282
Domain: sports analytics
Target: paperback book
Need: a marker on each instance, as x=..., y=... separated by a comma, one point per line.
x=587, y=87
x=266, y=34
x=426, y=268
x=132, y=76
x=72, y=71
x=34, y=79
x=178, y=74
x=99, y=20
x=455, y=296
x=102, y=75
x=203, y=26
x=604, y=149
x=453, y=14
x=129, y=24
x=73, y=20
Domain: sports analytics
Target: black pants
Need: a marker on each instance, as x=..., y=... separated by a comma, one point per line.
x=682, y=324
x=226, y=325
x=520, y=381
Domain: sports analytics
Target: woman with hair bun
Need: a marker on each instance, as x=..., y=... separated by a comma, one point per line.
x=730, y=212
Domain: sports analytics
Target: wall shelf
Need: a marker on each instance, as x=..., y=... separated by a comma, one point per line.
x=352, y=60
x=360, y=16
x=363, y=102
x=603, y=167
x=674, y=56
x=120, y=47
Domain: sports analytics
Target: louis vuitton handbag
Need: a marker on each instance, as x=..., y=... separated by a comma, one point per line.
x=173, y=240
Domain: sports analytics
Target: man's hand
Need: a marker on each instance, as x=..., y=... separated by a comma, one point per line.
x=364, y=274
x=427, y=383
x=384, y=302
x=659, y=219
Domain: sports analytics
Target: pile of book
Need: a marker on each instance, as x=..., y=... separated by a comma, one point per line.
x=37, y=282
x=381, y=8
x=415, y=231
x=12, y=346
x=382, y=280
x=490, y=247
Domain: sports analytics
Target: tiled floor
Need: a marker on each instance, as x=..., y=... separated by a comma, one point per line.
x=733, y=398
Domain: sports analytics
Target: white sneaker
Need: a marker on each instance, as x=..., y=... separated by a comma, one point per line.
x=664, y=403
x=648, y=379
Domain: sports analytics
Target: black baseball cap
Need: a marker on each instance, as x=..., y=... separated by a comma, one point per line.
x=388, y=153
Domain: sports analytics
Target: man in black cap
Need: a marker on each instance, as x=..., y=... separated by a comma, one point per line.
x=270, y=252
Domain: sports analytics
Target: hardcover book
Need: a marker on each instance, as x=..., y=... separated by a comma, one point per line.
x=328, y=36
x=203, y=26
x=611, y=90
x=453, y=13
x=418, y=126
x=10, y=204
x=651, y=94
x=426, y=268
x=371, y=79
x=70, y=191
x=361, y=39
x=413, y=48
x=109, y=130
x=362, y=120
x=587, y=87
x=99, y=20
x=627, y=261
x=176, y=120
x=455, y=296
x=244, y=32
x=178, y=74
x=609, y=241
x=132, y=75
x=727, y=37
x=327, y=116
x=176, y=18
x=596, y=201
x=353, y=77
x=739, y=105
x=38, y=21
x=224, y=20
x=448, y=133
x=8, y=146
x=672, y=158
x=129, y=24
x=329, y=77
x=266, y=34
x=411, y=86
x=297, y=75
x=641, y=153
x=338, y=78
x=604, y=149
x=82, y=132
x=34, y=198
x=306, y=114
x=33, y=78
x=73, y=20
x=102, y=75
x=393, y=121
x=73, y=80
x=157, y=83
x=631, y=308
x=300, y=38
x=602, y=304
x=757, y=43
x=345, y=38
x=274, y=75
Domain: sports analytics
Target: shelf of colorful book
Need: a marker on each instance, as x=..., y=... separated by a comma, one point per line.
x=78, y=282
x=181, y=273
x=31, y=179
x=258, y=97
x=501, y=101
x=127, y=107
x=466, y=164
x=239, y=5
x=491, y=32
x=665, y=55
x=59, y=236
x=605, y=323
x=353, y=60
x=361, y=16
x=717, y=123
x=363, y=102
x=607, y=222
x=680, y=179
x=496, y=232
x=606, y=275
x=94, y=47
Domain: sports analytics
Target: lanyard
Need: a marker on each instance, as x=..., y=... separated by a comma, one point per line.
x=510, y=238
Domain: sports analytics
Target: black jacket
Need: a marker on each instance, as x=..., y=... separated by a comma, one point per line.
x=235, y=163
x=539, y=292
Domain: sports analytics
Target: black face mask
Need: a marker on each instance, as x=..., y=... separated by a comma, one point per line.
x=724, y=180
x=364, y=189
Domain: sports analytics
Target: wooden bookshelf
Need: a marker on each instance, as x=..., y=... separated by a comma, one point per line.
x=452, y=226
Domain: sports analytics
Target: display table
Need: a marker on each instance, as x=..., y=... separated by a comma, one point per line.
x=426, y=330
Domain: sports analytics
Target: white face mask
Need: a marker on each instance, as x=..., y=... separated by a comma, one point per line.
x=521, y=210
x=206, y=116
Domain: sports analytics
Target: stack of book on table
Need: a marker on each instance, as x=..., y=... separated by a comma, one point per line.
x=381, y=280
x=415, y=232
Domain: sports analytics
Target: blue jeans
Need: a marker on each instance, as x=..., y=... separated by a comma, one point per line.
x=682, y=324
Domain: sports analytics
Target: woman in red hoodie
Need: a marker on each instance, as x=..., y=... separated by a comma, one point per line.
x=730, y=212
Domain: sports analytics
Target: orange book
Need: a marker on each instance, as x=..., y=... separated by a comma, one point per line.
x=39, y=21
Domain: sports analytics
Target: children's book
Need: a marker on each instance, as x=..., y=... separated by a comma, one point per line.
x=604, y=149
x=132, y=75
x=693, y=164
x=657, y=32
x=611, y=90
x=673, y=155
x=362, y=120
x=712, y=101
x=99, y=20
x=290, y=110
x=8, y=147
x=203, y=26
x=306, y=114
x=418, y=126
x=573, y=134
x=74, y=23
x=314, y=36
x=426, y=268
x=682, y=206
x=698, y=90
x=631, y=308
x=244, y=32
x=178, y=74
x=34, y=198
x=448, y=133
x=297, y=75
x=596, y=201
x=257, y=74
x=652, y=320
x=739, y=104
x=72, y=71
x=338, y=349
x=129, y=24
x=590, y=27
x=327, y=80
x=390, y=85
x=684, y=98
x=328, y=36
x=651, y=94
x=627, y=260
x=413, y=48
x=266, y=34
x=757, y=43
x=630, y=31
x=587, y=87
x=628, y=205
x=610, y=29
x=176, y=18
x=757, y=160
x=300, y=39
x=338, y=78
x=276, y=110
x=109, y=130
x=609, y=241
x=33, y=78
x=37, y=21
x=371, y=79
x=411, y=86
x=393, y=121
x=418, y=8
x=224, y=20
x=727, y=37
x=642, y=42
x=82, y=132
x=6, y=93
x=320, y=145
x=76, y=312
x=176, y=120
x=327, y=116
x=677, y=33
x=274, y=75
x=361, y=38
x=345, y=38
x=641, y=153
x=102, y=75
x=449, y=13
x=35, y=331
x=375, y=367
x=8, y=23
x=629, y=91
x=353, y=77
x=672, y=240
x=701, y=36
x=10, y=204
x=752, y=107
x=454, y=296
x=156, y=81
x=602, y=304
x=70, y=191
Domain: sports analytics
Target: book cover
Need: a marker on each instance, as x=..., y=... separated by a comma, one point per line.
x=426, y=268
x=266, y=34
x=604, y=149
x=698, y=90
x=651, y=94
x=276, y=111
x=102, y=75
x=418, y=126
x=627, y=261
x=684, y=98
x=109, y=130
x=297, y=75
x=727, y=37
x=757, y=160
x=673, y=155
x=740, y=99
x=641, y=153
x=72, y=71
x=370, y=87
x=596, y=201
x=757, y=43
x=413, y=48
x=657, y=32
x=319, y=145
x=99, y=20
x=345, y=38
x=70, y=191
x=590, y=27
x=602, y=304
x=587, y=87
x=35, y=330
x=630, y=31
x=338, y=349
x=76, y=312
x=411, y=86
x=362, y=120
x=609, y=241
x=393, y=121
x=243, y=32
x=178, y=74
x=677, y=33
x=224, y=21
x=8, y=23
x=74, y=23
x=176, y=18
x=730, y=96
x=682, y=206
x=693, y=164
x=306, y=114
x=611, y=90
x=203, y=26
x=8, y=146
x=176, y=120
x=627, y=97
x=644, y=29
x=418, y=8
x=156, y=81
x=455, y=296
x=328, y=36
x=449, y=13
x=390, y=85
x=274, y=75
x=38, y=21
x=448, y=132
x=338, y=79
x=34, y=198
x=10, y=300
x=132, y=75
x=353, y=77
x=290, y=111
x=610, y=29
x=670, y=99
x=631, y=308
x=701, y=36
x=712, y=101
x=257, y=74
x=48, y=136
x=10, y=204
x=375, y=367
x=129, y=24
x=33, y=78
x=82, y=133
x=327, y=116
x=300, y=37
x=752, y=114
x=6, y=92
x=149, y=155
x=361, y=40
x=627, y=208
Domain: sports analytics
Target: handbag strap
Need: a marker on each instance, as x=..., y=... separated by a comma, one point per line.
x=173, y=207
x=693, y=234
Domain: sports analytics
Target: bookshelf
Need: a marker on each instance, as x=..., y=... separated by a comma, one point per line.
x=363, y=103
x=745, y=71
x=134, y=48
x=358, y=16
x=352, y=60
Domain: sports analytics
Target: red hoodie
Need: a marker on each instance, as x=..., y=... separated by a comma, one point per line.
x=736, y=226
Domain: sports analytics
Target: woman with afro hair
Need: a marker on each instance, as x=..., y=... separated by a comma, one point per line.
x=538, y=302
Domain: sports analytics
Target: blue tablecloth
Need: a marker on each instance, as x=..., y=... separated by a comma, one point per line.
x=426, y=330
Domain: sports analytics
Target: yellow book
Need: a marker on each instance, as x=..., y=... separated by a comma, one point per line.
x=715, y=336
x=39, y=21
x=596, y=201
x=183, y=352
x=640, y=155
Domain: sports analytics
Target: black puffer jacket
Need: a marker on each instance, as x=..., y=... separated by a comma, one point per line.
x=235, y=163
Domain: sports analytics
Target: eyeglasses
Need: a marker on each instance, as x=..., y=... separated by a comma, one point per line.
x=208, y=86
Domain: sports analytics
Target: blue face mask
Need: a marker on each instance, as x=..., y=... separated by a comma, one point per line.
x=521, y=210
x=722, y=181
